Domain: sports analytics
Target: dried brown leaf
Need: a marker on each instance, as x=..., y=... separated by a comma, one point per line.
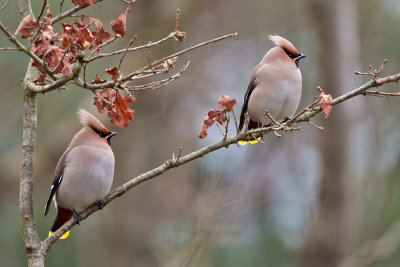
x=118, y=25
x=27, y=26
x=226, y=104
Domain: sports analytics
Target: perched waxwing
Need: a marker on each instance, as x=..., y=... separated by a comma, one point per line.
x=84, y=173
x=275, y=85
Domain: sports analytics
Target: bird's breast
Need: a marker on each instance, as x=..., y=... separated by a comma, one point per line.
x=88, y=176
x=277, y=91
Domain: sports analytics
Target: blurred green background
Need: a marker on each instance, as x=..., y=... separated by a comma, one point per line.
x=309, y=198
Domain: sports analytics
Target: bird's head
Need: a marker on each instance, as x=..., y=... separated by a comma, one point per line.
x=95, y=125
x=288, y=48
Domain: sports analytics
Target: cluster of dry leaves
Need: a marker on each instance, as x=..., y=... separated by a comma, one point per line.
x=59, y=51
x=217, y=115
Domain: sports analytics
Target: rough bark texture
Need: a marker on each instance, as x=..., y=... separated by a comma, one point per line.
x=31, y=239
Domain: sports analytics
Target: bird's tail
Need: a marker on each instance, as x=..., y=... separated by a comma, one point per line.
x=63, y=215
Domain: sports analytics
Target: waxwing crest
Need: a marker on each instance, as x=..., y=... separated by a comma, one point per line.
x=89, y=120
x=285, y=44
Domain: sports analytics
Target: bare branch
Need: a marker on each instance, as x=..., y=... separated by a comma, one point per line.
x=175, y=162
x=10, y=48
x=42, y=10
x=103, y=99
x=22, y=48
x=126, y=50
x=150, y=44
x=5, y=5
x=138, y=72
x=381, y=94
x=76, y=69
x=69, y=12
x=160, y=83
x=109, y=41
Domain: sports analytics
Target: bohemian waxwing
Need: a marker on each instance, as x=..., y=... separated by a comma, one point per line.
x=84, y=173
x=275, y=85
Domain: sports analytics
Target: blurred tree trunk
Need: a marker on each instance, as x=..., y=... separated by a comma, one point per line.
x=338, y=43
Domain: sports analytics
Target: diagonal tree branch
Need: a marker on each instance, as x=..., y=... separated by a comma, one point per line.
x=138, y=72
x=148, y=45
x=226, y=142
x=70, y=12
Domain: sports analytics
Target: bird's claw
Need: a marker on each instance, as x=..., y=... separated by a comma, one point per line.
x=99, y=204
x=77, y=217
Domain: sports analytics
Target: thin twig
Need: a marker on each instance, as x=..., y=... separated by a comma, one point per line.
x=148, y=45
x=226, y=126
x=70, y=12
x=109, y=41
x=103, y=99
x=234, y=119
x=61, y=60
x=61, y=5
x=160, y=83
x=42, y=11
x=5, y=5
x=10, y=48
x=381, y=94
x=123, y=55
x=177, y=19
x=137, y=72
x=309, y=107
x=22, y=48
x=316, y=126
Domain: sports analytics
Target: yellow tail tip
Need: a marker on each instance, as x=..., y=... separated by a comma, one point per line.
x=63, y=236
x=255, y=141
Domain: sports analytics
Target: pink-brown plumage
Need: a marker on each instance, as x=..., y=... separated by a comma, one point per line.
x=285, y=44
x=275, y=85
x=89, y=120
x=85, y=171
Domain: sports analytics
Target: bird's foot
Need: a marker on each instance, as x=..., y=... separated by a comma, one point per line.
x=99, y=204
x=77, y=217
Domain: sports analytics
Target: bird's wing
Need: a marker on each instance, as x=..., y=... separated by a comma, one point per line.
x=250, y=88
x=59, y=173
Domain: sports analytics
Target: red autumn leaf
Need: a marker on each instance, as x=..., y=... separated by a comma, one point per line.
x=42, y=79
x=83, y=3
x=99, y=34
x=226, y=104
x=217, y=115
x=27, y=26
x=107, y=94
x=84, y=37
x=113, y=72
x=203, y=131
x=54, y=55
x=97, y=80
x=118, y=25
x=75, y=33
x=121, y=114
x=209, y=119
x=50, y=53
x=48, y=16
x=325, y=103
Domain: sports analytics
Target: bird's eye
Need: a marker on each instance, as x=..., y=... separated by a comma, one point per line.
x=289, y=54
x=100, y=134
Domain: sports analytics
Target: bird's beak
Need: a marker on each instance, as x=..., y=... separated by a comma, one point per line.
x=297, y=59
x=301, y=56
x=111, y=134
